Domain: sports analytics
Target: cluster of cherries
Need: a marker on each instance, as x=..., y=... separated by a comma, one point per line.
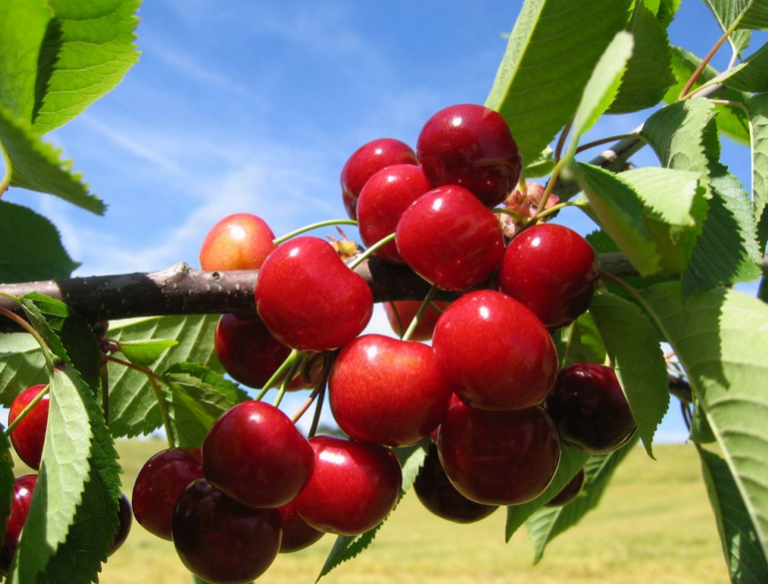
x=258, y=486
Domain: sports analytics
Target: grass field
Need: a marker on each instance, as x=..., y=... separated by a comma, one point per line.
x=653, y=526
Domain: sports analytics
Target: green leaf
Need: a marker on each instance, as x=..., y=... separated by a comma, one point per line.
x=133, y=409
x=648, y=75
x=88, y=50
x=348, y=547
x=618, y=209
x=726, y=12
x=31, y=247
x=144, y=353
x=667, y=11
x=21, y=364
x=37, y=166
x=720, y=338
x=750, y=75
x=549, y=522
x=746, y=562
x=602, y=87
x=637, y=359
x=571, y=462
x=200, y=396
x=23, y=25
x=542, y=165
x=586, y=345
x=754, y=15
x=6, y=482
x=758, y=110
x=551, y=54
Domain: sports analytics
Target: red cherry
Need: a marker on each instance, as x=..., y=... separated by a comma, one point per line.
x=367, y=161
x=28, y=436
x=353, y=487
x=496, y=354
x=437, y=494
x=124, y=521
x=159, y=484
x=384, y=198
x=471, y=146
x=238, y=242
x=450, y=239
x=569, y=492
x=221, y=540
x=553, y=271
x=23, y=489
x=401, y=312
x=454, y=400
x=387, y=391
x=256, y=455
x=247, y=350
x=499, y=458
x=590, y=409
x=309, y=299
x=297, y=535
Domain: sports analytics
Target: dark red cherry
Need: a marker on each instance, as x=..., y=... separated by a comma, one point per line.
x=471, y=146
x=247, y=350
x=255, y=454
x=387, y=391
x=454, y=400
x=28, y=436
x=353, y=487
x=569, y=492
x=499, y=458
x=124, y=521
x=553, y=271
x=401, y=312
x=496, y=354
x=590, y=409
x=238, y=242
x=221, y=540
x=297, y=535
x=23, y=488
x=367, y=161
x=384, y=198
x=450, y=239
x=437, y=494
x=159, y=484
x=309, y=299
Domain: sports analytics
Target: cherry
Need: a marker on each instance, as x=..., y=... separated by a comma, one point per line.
x=28, y=436
x=450, y=239
x=569, y=492
x=590, y=409
x=471, y=146
x=367, y=161
x=256, y=455
x=387, y=391
x=23, y=489
x=247, y=350
x=499, y=458
x=238, y=242
x=221, y=540
x=159, y=484
x=496, y=354
x=437, y=494
x=124, y=520
x=384, y=198
x=297, y=535
x=401, y=312
x=353, y=486
x=309, y=299
x=553, y=271
x=454, y=400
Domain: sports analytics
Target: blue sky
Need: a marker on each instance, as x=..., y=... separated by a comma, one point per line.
x=245, y=106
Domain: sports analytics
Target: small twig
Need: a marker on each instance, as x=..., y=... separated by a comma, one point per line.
x=708, y=57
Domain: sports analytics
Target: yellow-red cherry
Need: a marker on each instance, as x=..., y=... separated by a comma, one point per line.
x=238, y=242
x=28, y=436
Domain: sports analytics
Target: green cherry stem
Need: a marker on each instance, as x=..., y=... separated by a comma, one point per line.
x=368, y=252
x=318, y=409
x=287, y=381
x=550, y=185
x=27, y=409
x=503, y=211
x=435, y=307
x=288, y=236
x=287, y=364
x=319, y=386
x=396, y=312
x=568, y=343
x=556, y=208
x=422, y=309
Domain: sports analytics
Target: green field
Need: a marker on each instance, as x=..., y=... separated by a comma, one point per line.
x=653, y=526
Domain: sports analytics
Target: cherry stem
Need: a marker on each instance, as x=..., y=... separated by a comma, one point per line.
x=396, y=312
x=422, y=309
x=368, y=252
x=288, y=236
x=287, y=381
x=287, y=364
x=550, y=185
x=568, y=343
x=318, y=409
x=512, y=213
x=684, y=93
x=29, y=329
x=555, y=209
x=27, y=409
x=319, y=386
x=435, y=306
x=561, y=140
x=602, y=141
